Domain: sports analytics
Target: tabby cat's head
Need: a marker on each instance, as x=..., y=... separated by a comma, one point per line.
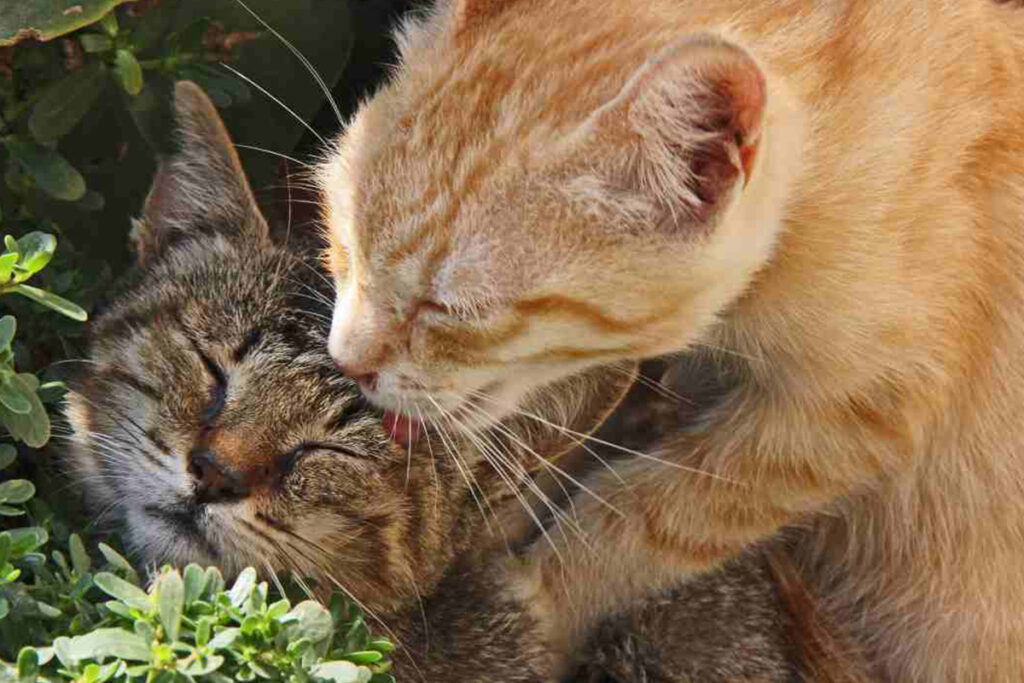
x=544, y=186
x=211, y=425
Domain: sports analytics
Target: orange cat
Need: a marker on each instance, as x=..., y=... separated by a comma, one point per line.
x=823, y=200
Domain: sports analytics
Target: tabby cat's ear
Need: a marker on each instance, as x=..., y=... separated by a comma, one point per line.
x=200, y=187
x=690, y=120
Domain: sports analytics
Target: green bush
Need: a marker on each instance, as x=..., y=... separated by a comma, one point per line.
x=76, y=614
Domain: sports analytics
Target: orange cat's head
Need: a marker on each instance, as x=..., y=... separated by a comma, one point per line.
x=545, y=185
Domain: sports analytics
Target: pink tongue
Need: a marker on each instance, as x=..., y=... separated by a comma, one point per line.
x=401, y=428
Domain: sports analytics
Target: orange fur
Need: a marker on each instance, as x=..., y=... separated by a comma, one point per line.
x=831, y=192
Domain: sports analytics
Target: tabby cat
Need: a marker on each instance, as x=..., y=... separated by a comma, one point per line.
x=823, y=200
x=211, y=426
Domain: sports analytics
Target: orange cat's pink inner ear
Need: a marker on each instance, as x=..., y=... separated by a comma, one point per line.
x=695, y=112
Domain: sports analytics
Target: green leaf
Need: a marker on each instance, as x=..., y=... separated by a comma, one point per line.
x=33, y=428
x=79, y=557
x=244, y=584
x=109, y=642
x=278, y=609
x=225, y=638
x=314, y=622
x=48, y=611
x=16, y=491
x=128, y=72
x=35, y=250
x=52, y=172
x=214, y=581
x=8, y=326
x=204, y=627
x=7, y=262
x=115, y=559
x=339, y=672
x=51, y=392
x=61, y=649
x=11, y=244
x=8, y=454
x=108, y=22
x=201, y=666
x=52, y=301
x=26, y=539
x=95, y=42
x=14, y=395
x=28, y=665
x=63, y=104
x=171, y=590
x=195, y=582
x=118, y=588
x=23, y=20
x=381, y=645
x=364, y=657
x=8, y=511
x=5, y=607
x=6, y=543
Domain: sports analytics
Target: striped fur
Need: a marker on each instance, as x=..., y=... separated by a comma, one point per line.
x=820, y=199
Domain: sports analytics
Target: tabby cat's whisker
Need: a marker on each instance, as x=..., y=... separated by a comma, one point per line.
x=408, y=457
x=302, y=58
x=279, y=102
x=300, y=547
x=254, y=148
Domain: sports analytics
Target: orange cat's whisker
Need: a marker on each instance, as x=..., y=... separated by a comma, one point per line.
x=467, y=475
x=544, y=462
x=609, y=444
x=515, y=490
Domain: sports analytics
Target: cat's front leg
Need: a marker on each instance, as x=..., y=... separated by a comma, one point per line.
x=755, y=464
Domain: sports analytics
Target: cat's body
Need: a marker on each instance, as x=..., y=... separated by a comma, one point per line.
x=824, y=199
x=210, y=426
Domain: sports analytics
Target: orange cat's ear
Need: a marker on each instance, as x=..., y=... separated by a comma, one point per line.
x=692, y=119
x=199, y=186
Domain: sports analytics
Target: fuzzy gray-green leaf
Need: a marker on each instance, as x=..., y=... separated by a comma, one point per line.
x=52, y=301
x=51, y=172
x=109, y=642
x=16, y=491
x=116, y=587
x=63, y=104
x=128, y=72
x=8, y=327
x=79, y=557
x=14, y=396
x=172, y=602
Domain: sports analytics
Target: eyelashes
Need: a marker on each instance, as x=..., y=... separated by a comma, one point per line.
x=456, y=312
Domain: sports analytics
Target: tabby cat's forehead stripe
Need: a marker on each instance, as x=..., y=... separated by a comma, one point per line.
x=118, y=375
